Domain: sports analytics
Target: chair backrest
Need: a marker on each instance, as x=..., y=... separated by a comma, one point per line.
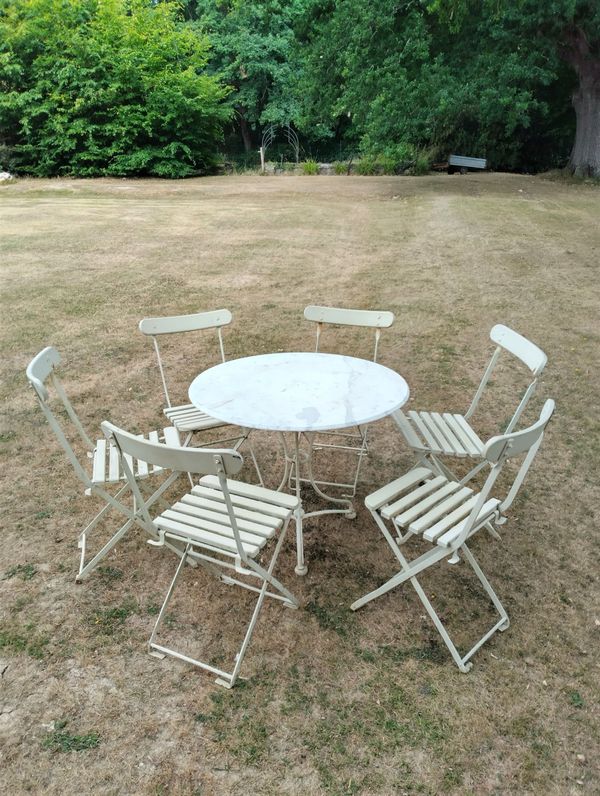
x=522, y=349
x=204, y=461
x=337, y=316
x=43, y=379
x=498, y=450
x=176, y=324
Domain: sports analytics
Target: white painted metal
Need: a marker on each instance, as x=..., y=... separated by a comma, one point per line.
x=187, y=418
x=223, y=524
x=300, y=393
x=354, y=443
x=446, y=514
x=102, y=459
x=431, y=434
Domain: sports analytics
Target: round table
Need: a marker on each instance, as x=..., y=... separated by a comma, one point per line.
x=299, y=393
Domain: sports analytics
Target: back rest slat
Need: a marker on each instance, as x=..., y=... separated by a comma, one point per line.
x=520, y=347
x=518, y=442
x=185, y=323
x=184, y=460
x=374, y=319
x=337, y=316
x=40, y=368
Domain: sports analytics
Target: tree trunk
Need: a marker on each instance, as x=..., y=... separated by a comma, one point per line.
x=245, y=130
x=585, y=155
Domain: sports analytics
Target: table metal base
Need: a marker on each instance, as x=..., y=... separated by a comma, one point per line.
x=292, y=463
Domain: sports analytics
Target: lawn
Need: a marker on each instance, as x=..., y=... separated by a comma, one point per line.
x=334, y=702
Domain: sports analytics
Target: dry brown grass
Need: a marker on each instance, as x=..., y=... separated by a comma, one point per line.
x=335, y=703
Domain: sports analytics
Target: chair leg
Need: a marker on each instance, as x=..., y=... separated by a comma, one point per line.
x=409, y=572
x=166, y=602
x=226, y=679
x=84, y=571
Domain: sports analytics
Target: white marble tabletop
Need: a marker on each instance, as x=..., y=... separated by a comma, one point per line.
x=298, y=392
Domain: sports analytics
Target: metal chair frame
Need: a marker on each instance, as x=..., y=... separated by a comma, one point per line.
x=186, y=418
x=337, y=316
x=223, y=525
x=447, y=514
x=42, y=374
x=433, y=435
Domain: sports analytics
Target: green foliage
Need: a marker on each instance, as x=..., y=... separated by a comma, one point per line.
x=253, y=51
x=340, y=167
x=111, y=88
x=391, y=73
x=310, y=167
x=59, y=740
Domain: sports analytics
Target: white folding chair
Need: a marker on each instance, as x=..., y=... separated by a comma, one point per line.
x=446, y=513
x=354, y=443
x=435, y=434
x=223, y=524
x=186, y=418
x=103, y=469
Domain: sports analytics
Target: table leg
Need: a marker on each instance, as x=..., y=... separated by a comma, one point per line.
x=301, y=568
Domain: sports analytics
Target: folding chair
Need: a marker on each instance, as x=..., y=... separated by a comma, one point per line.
x=354, y=443
x=446, y=513
x=186, y=418
x=431, y=434
x=104, y=468
x=224, y=525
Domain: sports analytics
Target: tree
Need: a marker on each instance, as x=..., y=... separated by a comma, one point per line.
x=117, y=87
x=564, y=29
x=253, y=45
x=388, y=75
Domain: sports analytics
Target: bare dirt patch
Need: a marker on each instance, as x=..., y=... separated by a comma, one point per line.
x=335, y=702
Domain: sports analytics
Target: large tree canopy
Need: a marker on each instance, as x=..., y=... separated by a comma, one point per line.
x=146, y=86
x=90, y=87
x=392, y=72
x=566, y=30
x=253, y=51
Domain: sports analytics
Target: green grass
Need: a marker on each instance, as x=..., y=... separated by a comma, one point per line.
x=59, y=740
x=25, y=639
x=109, y=621
x=23, y=571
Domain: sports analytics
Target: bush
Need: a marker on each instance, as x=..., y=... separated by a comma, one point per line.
x=112, y=88
x=310, y=167
x=340, y=167
x=422, y=164
x=370, y=165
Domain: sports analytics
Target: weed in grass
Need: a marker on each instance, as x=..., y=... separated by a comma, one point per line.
x=20, y=603
x=60, y=740
x=109, y=574
x=153, y=608
x=340, y=618
x=576, y=699
x=24, y=640
x=109, y=620
x=24, y=571
x=43, y=515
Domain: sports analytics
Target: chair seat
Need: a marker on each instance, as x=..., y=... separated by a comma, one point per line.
x=106, y=463
x=437, y=433
x=201, y=517
x=188, y=418
x=430, y=505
